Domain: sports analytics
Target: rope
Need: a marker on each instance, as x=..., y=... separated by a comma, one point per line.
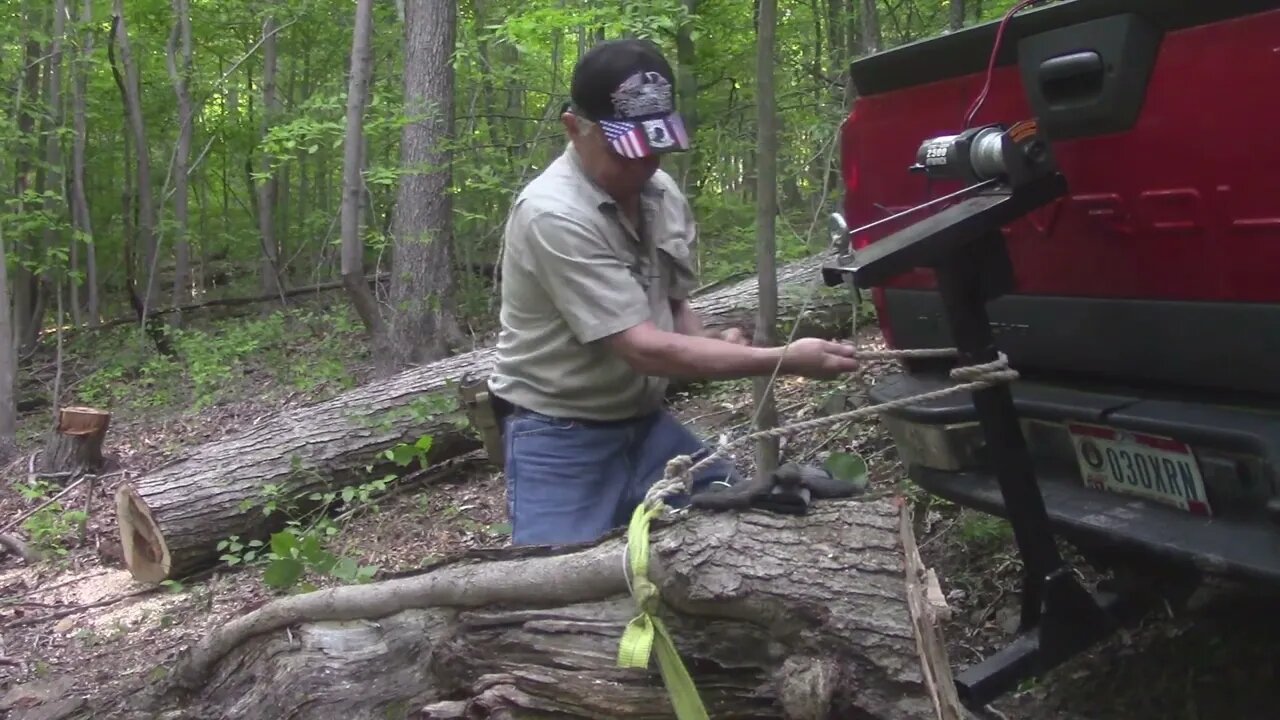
x=679, y=471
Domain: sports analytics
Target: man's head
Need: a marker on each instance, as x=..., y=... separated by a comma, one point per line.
x=622, y=116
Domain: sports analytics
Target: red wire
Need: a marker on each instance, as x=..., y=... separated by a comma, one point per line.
x=991, y=63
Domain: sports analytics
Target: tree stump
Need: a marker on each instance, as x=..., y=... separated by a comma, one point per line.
x=75, y=443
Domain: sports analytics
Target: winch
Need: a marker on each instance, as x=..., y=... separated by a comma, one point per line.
x=974, y=155
x=986, y=156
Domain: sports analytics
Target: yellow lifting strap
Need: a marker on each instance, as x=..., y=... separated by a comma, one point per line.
x=647, y=629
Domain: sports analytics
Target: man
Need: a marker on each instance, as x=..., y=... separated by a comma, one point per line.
x=595, y=311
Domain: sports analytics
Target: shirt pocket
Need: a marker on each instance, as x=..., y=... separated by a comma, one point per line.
x=678, y=274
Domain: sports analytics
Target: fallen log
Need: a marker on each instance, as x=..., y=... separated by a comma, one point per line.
x=801, y=617
x=171, y=520
x=238, y=301
x=12, y=544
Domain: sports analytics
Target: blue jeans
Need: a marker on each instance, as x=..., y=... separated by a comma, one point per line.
x=571, y=481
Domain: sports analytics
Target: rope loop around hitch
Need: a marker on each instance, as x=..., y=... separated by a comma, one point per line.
x=679, y=470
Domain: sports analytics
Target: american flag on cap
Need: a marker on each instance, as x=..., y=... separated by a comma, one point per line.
x=626, y=138
x=641, y=138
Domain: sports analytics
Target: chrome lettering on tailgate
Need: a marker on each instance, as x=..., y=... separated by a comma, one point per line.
x=1147, y=466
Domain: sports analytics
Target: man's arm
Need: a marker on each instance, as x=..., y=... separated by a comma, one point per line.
x=675, y=354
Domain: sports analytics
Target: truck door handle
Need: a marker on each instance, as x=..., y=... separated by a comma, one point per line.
x=1072, y=78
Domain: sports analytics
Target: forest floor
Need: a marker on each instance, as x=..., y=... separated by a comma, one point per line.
x=78, y=635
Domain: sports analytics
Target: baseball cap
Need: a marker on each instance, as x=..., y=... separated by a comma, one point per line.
x=628, y=89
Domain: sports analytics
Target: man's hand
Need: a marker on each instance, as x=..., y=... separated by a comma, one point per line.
x=818, y=358
x=733, y=335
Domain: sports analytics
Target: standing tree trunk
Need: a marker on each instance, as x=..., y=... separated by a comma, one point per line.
x=23, y=282
x=180, y=74
x=352, y=186
x=870, y=26
x=686, y=60
x=421, y=325
x=79, y=195
x=767, y=449
x=8, y=363
x=146, y=207
x=957, y=14
x=55, y=199
x=267, y=187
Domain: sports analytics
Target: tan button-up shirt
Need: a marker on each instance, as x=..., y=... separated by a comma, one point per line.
x=575, y=270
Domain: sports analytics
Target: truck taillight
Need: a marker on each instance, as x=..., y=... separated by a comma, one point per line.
x=849, y=172
x=850, y=151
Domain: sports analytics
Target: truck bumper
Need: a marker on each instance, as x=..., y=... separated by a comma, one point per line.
x=1237, y=451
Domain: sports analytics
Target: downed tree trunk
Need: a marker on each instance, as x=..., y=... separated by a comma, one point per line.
x=75, y=443
x=19, y=548
x=800, y=617
x=172, y=519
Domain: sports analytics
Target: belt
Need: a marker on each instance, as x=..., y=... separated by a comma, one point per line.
x=588, y=422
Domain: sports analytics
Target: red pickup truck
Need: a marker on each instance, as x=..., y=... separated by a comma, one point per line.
x=1145, y=315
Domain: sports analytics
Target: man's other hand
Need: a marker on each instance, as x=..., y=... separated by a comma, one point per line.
x=818, y=358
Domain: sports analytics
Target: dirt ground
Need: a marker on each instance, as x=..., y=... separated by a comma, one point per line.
x=78, y=635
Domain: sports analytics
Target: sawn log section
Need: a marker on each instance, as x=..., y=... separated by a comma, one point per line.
x=172, y=519
x=801, y=617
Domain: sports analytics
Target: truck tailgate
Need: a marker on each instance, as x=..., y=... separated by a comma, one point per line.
x=1162, y=264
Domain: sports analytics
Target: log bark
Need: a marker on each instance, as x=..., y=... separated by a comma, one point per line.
x=75, y=443
x=799, y=617
x=171, y=520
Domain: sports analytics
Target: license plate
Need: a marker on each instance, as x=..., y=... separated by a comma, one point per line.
x=1148, y=466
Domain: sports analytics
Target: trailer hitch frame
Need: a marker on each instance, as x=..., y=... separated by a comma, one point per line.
x=965, y=247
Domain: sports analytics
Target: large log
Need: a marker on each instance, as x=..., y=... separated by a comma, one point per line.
x=808, y=617
x=171, y=520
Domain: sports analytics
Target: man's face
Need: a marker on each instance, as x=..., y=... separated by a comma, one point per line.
x=619, y=176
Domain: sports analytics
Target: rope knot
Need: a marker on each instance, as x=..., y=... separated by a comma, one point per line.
x=677, y=466
x=673, y=480
x=990, y=373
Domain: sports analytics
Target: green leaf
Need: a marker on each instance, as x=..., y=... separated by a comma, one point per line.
x=282, y=573
x=849, y=467
x=345, y=569
x=283, y=543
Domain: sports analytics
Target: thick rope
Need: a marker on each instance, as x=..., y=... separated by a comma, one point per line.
x=680, y=469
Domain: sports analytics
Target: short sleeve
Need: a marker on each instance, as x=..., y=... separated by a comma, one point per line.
x=678, y=241
x=590, y=285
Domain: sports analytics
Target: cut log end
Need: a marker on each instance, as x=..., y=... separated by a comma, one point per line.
x=145, y=552
x=75, y=444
